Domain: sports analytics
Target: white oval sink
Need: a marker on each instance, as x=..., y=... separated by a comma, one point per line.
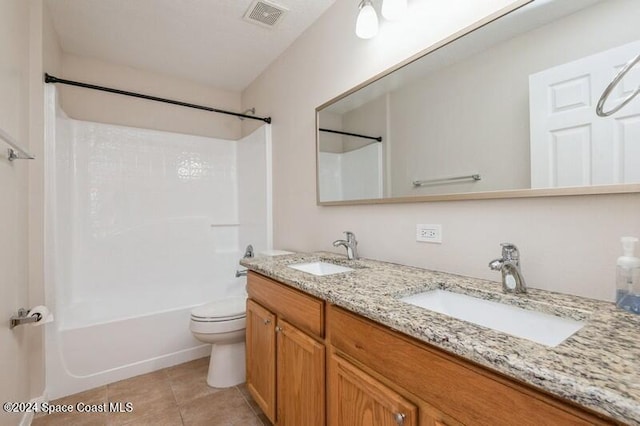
x=320, y=268
x=536, y=326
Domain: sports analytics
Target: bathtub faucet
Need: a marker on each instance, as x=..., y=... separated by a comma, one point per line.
x=248, y=254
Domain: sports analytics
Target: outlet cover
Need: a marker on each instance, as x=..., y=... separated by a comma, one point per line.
x=429, y=233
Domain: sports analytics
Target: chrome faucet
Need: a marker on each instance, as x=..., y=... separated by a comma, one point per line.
x=350, y=244
x=509, y=265
x=248, y=253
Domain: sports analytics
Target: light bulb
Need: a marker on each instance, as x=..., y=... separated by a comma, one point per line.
x=367, y=22
x=393, y=10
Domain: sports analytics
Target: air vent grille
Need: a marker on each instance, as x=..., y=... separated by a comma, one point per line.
x=265, y=13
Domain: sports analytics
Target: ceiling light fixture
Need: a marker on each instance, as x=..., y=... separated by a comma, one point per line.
x=367, y=22
x=393, y=10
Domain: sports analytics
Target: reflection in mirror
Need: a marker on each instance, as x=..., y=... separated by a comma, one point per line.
x=509, y=106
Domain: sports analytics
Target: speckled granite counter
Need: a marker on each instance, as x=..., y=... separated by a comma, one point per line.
x=598, y=367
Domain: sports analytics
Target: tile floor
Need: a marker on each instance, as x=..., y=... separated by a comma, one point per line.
x=177, y=395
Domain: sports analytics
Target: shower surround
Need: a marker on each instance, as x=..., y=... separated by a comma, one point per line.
x=142, y=225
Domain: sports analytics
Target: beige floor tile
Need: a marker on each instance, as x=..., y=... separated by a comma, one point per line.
x=75, y=419
x=149, y=394
x=90, y=397
x=189, y=368
x=225, y=408
x=142, y=381
x=172, y=397
x=168, y=415
x=189, y=381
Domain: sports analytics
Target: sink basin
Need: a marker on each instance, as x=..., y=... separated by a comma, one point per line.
x=536, y=326
x=320, y=268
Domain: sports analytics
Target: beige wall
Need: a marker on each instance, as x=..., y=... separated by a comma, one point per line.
x=330, y=142
x=45, y=53
x=90, y=105
x=14, y=278
x=27, y=44
x=568, y=244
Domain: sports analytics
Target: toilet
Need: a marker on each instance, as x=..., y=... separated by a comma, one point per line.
x=222, y=323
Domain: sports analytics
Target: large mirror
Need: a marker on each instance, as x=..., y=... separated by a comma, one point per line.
x=506, y=110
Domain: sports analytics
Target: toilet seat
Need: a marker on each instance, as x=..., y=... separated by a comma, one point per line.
x=199, y=319
x=220, y=310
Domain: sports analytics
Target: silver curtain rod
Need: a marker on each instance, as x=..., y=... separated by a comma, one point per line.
x=475, y=177
x=15, y=152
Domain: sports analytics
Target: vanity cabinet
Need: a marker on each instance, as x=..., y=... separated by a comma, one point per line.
x=357, y=399
x=448, y=389
x=285, y=353
x=375, y=376
x=300, y=377
x=261, y=357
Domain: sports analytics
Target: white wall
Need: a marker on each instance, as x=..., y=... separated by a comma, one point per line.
x=253, y=168
x=352, y=175
x=568, y=244
x=146, y=210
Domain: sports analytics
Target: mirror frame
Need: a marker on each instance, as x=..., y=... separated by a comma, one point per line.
x=626, y=188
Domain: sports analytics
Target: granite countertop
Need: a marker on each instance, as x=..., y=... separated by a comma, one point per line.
x=598, y=367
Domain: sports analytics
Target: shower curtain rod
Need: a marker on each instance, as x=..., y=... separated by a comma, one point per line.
x=375, y=138
x=51, y=79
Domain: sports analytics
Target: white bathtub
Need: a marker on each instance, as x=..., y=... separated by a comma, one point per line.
x=82, y=358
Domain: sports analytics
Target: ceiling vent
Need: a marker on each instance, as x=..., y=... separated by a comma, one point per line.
x=265, y=13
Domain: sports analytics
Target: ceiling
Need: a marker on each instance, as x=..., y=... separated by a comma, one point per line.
x=206, y=41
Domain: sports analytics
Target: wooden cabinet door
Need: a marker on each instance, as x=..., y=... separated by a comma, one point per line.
x=301, y=384
x=261, y=358
x=357, y=399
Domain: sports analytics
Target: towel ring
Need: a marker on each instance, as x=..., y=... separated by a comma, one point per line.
x=607, y=92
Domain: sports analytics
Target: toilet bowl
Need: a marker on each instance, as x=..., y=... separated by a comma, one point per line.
x=222, y=323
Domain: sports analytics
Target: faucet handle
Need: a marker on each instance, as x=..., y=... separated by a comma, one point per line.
x=351, y=237
x=510, y=251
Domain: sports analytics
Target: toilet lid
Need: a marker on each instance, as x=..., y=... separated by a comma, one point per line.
x=226, y=309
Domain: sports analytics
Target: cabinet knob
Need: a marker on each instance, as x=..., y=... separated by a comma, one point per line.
x=267, y=321
x=399, y=418
x=278, y=329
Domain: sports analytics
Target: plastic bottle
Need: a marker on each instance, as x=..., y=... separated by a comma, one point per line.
x=628, y=277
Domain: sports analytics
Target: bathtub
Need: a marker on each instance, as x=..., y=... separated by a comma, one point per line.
x=97, y=342
x=85, y=357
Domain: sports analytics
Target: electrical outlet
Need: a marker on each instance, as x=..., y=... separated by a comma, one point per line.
x=429, y=233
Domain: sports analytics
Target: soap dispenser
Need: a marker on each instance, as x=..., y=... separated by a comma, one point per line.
x=628, y=277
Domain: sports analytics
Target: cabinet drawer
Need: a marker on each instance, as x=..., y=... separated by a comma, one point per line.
x=469, y=393
x=303, y=311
